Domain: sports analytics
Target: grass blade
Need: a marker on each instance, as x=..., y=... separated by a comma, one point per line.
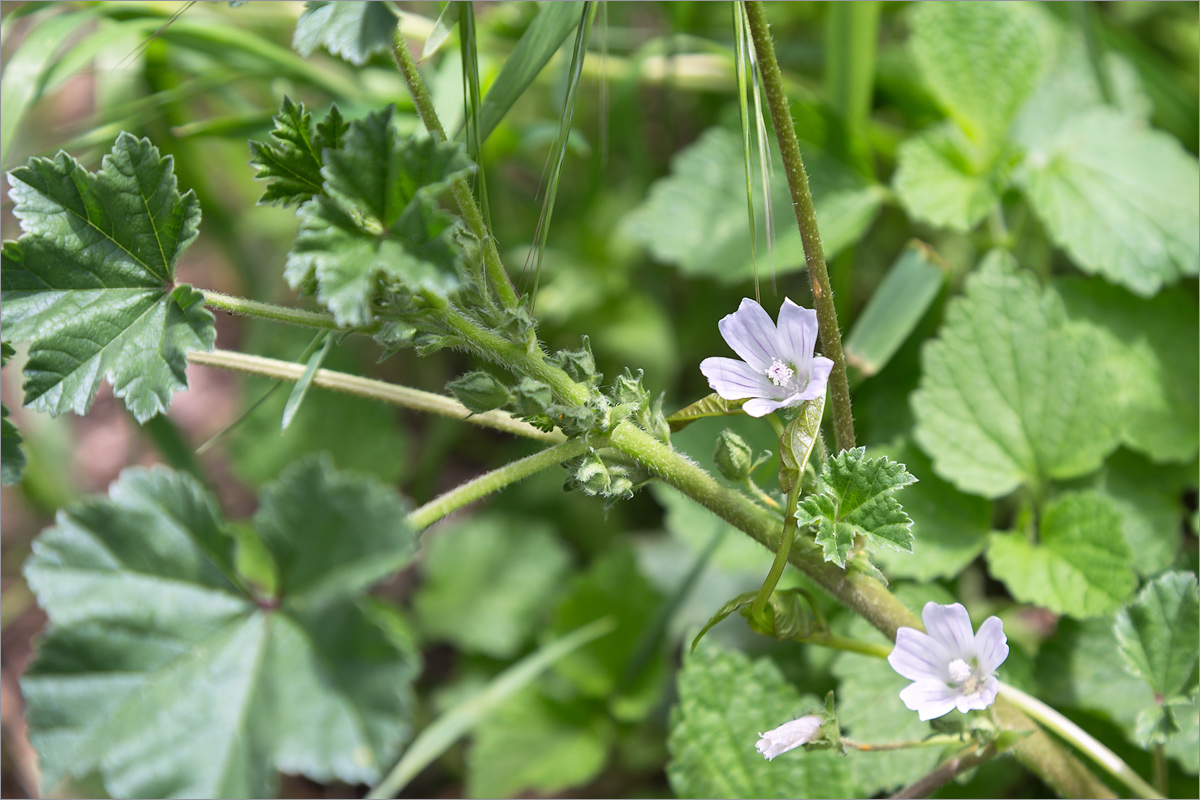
x=458, y=721
x=301, y=387
x=471, y=101
x=442, y=29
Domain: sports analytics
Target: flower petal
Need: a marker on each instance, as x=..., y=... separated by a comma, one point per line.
x=930, y=699
x=980, y=699
x=991, y=645
x=751, y=334
x=733, y=379
x=797, y=332
x=818, y=378
x=761, y=406
x=918, y=657
x=951, y=626
x=789, y=736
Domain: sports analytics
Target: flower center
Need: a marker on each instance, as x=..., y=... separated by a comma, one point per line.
x=959, y=670
x=780, y=373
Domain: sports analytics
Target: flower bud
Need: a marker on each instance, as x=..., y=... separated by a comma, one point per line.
x=734, y=457
x=479, y=392
x=532, y=398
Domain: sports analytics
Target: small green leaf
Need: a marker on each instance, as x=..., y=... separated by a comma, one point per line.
x=725, y=703
x=857, y=500
x=378, y=222
x=91, y=281
x=442, y=28
x=912, y=283
x=291, y=159
x=1159, y=634
x=539, y=745
x=301, y=387
x=711, y=406
x=937, y=182
x=797, y=442
x=1156, y=360
x=12, y=460
x=1080, y=565
x=1010, y=393
x=487, y=583
x=981, y=59
x=157, y=654
x=352, y=31
x=1121, y=199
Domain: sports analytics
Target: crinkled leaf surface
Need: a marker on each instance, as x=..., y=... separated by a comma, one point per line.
x=725, y=702
x=351, y=30
x=90, y=283
x=1010, y=394
x=165, y=673
x=1123, y=200
x=1159, y=634
x=938, y=182
x=949, y=528
x=981, y=59
x=377, y=221
x=1080, y=565
x=536, y=744
x=857, y=499
x=695, y=217
x=487, y=583
x=1152, y=344
x=291, y=158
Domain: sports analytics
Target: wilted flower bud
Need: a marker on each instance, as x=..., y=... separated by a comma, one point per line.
x=734, y=457
x=579, y=364
x=479, y=392
x=532, y=398
x=789, y=736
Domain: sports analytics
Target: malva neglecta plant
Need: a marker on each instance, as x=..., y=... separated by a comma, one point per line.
x=1003, y=215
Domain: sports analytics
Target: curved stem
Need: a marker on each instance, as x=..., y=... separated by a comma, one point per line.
x=806, y=218
x=276, y=313
x=497, y=479
x=372, y=389
x=945, y=772
x=781, y=556
x=835, y=642
x=1109, y=761
x=459, y=188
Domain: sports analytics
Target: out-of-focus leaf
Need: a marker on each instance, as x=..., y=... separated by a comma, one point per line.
x=1121, y=199
x=353, y=30
x=1159, y=634
x=12, y=460
x=291, y=158
x=939, y=183
x=157, y=655
x=903, y=296
x=725, y=702
x=695, y=218
x=488, y=582
x=442, y=29
x=91, y=281
x=857, y=500
x=1080, y=565
x=377, y=220
x=695, y=525
x=1010, y=393
x=535, y=744
x=1156, y=359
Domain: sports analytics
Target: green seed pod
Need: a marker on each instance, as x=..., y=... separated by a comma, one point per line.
x=479, y=392
x=734, y=457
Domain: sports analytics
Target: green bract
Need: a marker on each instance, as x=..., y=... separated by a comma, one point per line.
x=171, y=674
x=91, y=282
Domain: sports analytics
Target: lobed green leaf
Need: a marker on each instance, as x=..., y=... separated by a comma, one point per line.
x=1159, y=634
x=291, y=159
x=353, y=31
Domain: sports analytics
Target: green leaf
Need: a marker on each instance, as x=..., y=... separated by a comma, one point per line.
x=902, y=298
x=612, y=586
x=695, y=525
x=1121, y=199
x=695, y=218
x=940, y=181
x=711, y=406
x=1155, y=358
x=300, y=388
x=1010, y=394
x=981, y=59
x=91, y=281
x=487, y=583
x=378, y=222
x=725, y=703
x=352, y=30
x=1159, y=634
x=12, y=460
x=442, y=28
x=1080, y=565
x=535, y=744
x=291, y=159
x=157, y=655
x=856, y=499
x=949, y=528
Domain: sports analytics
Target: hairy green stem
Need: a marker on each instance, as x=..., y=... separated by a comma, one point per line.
x=1109, y=761
x=277, y=313
x=835, y=642
x=781, y=556
x=497, y=479
x=460, y=188
x=372, y=389
x=932, y=741
x=806, y=218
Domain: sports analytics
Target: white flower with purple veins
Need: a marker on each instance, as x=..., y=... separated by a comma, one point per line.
x=789, y=736
x=778, y=369
x=951, y=666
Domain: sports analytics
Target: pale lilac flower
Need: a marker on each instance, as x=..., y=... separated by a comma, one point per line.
x=789, y=736
x=778, y=369
x=950, y=666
